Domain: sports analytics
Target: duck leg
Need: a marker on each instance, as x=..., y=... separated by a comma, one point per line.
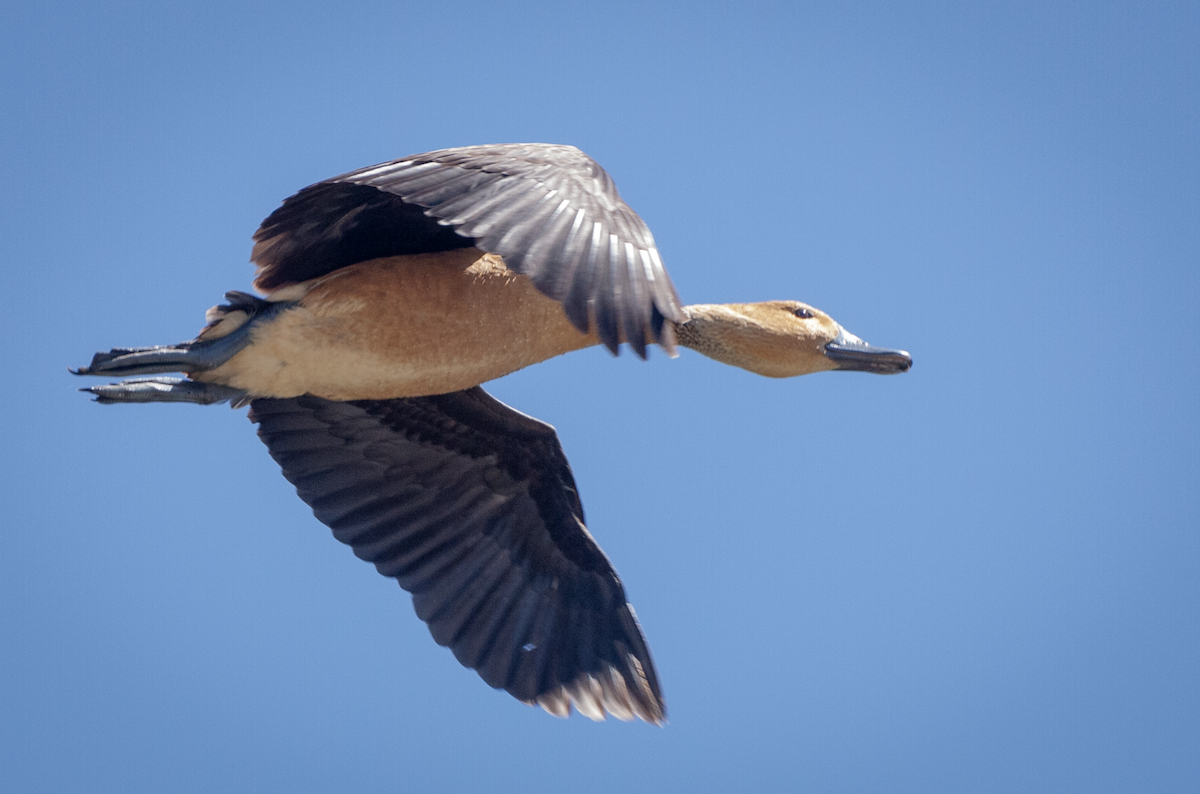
x=166, y=390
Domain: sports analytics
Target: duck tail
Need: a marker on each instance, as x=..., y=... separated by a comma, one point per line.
x=227, y=332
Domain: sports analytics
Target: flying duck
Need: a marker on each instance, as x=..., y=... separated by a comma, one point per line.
x=391, y=293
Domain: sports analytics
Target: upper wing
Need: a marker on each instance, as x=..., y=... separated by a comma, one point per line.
x=551, y=211
x=472, y=507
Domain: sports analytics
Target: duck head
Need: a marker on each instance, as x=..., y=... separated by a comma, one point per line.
x=782, y=339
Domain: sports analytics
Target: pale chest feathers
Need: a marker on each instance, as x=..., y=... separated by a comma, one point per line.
x=404, y=326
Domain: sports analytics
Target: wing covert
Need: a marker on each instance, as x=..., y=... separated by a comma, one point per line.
x=551, y=211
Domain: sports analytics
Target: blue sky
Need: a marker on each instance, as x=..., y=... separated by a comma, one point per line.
x=983, y=575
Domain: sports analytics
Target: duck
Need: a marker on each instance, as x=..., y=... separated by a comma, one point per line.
x=389, y=294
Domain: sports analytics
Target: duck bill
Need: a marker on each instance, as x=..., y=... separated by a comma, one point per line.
x=849, y=352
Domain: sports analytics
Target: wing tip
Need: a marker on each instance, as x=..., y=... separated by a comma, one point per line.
x=598, y=696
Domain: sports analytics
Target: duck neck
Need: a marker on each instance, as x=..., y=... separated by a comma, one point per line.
x=707, y=331
x=750, y=337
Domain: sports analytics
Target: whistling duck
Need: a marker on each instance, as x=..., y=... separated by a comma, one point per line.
x=392, y=292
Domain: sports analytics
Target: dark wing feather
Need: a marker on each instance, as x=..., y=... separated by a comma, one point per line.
x=551, y=211
x=472, y=507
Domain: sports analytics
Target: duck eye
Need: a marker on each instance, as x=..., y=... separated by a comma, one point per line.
x=803, y=314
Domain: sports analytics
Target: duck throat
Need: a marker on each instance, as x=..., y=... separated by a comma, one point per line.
x=715, y=331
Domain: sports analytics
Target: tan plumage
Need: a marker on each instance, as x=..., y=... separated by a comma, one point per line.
x=404, y=326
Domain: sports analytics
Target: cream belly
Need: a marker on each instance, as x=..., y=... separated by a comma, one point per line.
x=404, y=326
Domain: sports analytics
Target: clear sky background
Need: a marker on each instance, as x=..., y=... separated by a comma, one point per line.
x=981, y=576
